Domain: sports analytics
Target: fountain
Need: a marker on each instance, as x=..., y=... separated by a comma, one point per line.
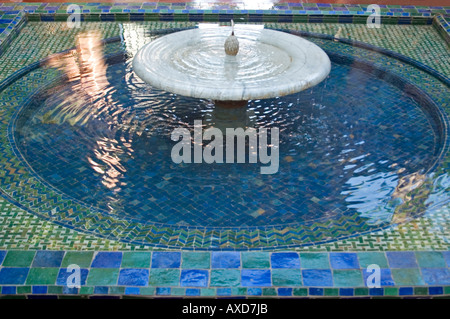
x=259, y=64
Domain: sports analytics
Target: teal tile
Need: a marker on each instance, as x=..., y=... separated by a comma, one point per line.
x=370, y=258
x=255, y=260
x=430, y=259
x=103, y=276
x=314, y=261
x=86, y=290
x=116, y=290
x=407, y=277
x=196, y=260
x=148, y=291
x=136, y=260
x=347, y=278
x=178, y=291
x=207, y=292
x=42, y=276
x=81, y=258
x=225, y=277
x=164, y=277
x=286, y=277
x=55, y=290
x=18, y=258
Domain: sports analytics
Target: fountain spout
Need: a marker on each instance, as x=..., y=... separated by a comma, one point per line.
x=231, y=43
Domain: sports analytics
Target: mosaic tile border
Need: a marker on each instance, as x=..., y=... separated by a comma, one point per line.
x=213, y=234
x=225, y=274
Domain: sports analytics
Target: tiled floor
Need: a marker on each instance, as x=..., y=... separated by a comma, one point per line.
x=35, y=253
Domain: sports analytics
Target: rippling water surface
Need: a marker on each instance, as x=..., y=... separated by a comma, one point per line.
x=349, y=144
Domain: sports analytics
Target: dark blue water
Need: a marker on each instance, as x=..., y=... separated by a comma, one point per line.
x=104, y=139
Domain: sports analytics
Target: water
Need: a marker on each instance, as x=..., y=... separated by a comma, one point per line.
x=348, y=144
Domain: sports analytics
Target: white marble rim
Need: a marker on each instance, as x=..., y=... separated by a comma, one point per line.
x=309, y=65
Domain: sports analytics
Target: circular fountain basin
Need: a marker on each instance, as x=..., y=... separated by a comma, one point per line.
x=269, y=63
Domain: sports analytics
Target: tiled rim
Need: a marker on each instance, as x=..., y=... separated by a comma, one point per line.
x=213, y=233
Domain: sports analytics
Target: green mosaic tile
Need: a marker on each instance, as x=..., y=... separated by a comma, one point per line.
x=390, y=291
x=348, y=278
x=225, y=278
x=17, y=258
x=238, y=291
x=136, y=260
x=286, y=277
x=207, y=292
x=361, y=291
x=196, y=260
x=102, y=276
x=164, y=277
x=116, y=290
x=86, y=290
x=430, y=259
x=81, y=258
x=269, y=292
x=23, y=290
x=369, y=258
x=57, y=290
x=298, y=292
x=420, y=291
x=331, y=292
x=42, y=276
x=314, y=260
x=178, y=291
x=255, y=260
x=148, y=291
x=407, y=277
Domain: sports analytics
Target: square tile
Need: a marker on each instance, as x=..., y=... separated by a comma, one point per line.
x=81, y=258
x=196, y=260
x=285, y=260
x=42, y=276
x=107, y=260
x=166, y=259
x=314, y=260
x=136, y=259
x=63, y=277
x=102, y=277
x=225, y=278
x=255, y=260
x=430, y=259
x=133, y=277
x=407, y=277
x=194, y=278
x=164, y=277
x=372, y=258
x=317, y=277
x=225, y=259
x=401, y=259
x=19, y=258
x=436, y=276
x=344, y=260
x=385, y=277
x=48, y=258
x=286, y=277
x=13, y=276
x=255, y=278
x=347, y=278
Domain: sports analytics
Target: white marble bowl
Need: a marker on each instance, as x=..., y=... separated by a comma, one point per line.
x=269, y=64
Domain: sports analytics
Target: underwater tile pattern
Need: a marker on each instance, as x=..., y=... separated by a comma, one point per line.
x=244, y=281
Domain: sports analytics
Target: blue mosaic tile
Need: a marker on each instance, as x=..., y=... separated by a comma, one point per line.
x=316, y=291
x=223, y=291
x=13, y=276
x=63, y=276
x=436, y=276
x=163, y=291
x=401, y=259
x=192, y=292
x=376, y=291
x=386, y=277
x=254, y=291
x=317, y=277
x=284, y=292
x=405, y=291
x=39, y=289
x=8, y=290
x=2, y=256
x=255, y=277
x=132, y=291
x=133, y=277
x=166, y=259
x=194, y=278
x=435, y=290
x=225, y=260
x=346, y=292
x=101, y=290
x=344, y=260
x=47, y=258
x=285, y=260
x=107, y=260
